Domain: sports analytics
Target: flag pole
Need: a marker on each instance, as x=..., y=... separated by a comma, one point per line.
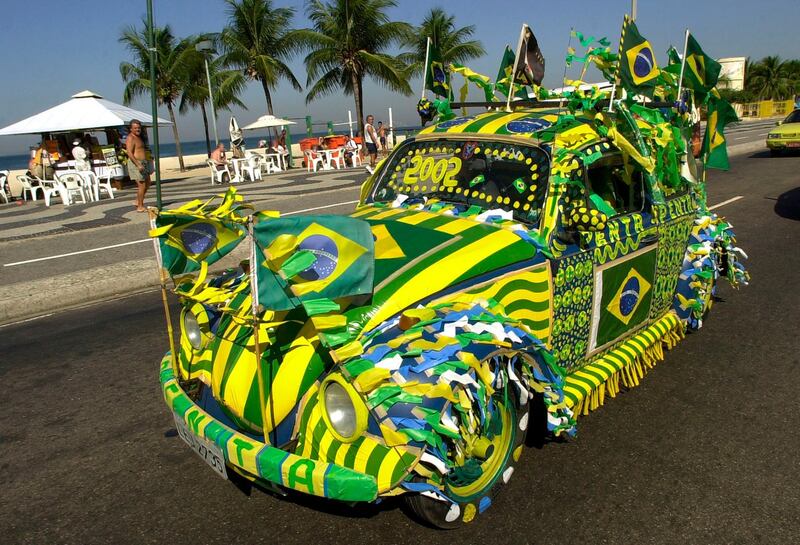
x=162, y=278
x=256, y=328
x=514, y=68
x=683, y=64
x=425, y=69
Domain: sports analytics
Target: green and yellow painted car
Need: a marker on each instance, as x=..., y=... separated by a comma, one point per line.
x=785, y=136
x=497, y=265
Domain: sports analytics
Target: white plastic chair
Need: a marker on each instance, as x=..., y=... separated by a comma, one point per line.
x=313, y=160
x=30, y=186
x=356, y=156
x=337, y=158
x=268, y=166
x=252, y=167
x=217, y=174
x=93, y=184
x=3, y=178
x=72, y=184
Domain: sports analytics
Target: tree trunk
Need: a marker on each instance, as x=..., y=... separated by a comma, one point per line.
x=175, y=135
x=268, y=96
x=357, y=95
x=205, y=126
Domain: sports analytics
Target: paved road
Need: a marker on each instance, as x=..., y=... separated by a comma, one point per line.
x=705, y=451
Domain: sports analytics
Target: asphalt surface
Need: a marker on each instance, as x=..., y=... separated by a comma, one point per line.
x=704, y=451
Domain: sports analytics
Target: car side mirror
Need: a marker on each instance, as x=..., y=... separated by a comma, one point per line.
x=777, y=123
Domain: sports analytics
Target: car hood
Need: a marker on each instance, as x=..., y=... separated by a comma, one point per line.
x=787, y=129
x=419, y=254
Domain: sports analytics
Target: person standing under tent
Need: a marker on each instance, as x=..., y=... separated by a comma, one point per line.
x=138, y=168
x=371, y=140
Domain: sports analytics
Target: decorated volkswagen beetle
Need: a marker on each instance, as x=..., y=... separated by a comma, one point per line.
x=513, y=266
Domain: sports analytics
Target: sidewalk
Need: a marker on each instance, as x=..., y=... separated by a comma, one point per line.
x=126, y=264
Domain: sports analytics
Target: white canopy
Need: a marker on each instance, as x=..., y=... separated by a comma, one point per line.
x=266, y=121
x=86, y=110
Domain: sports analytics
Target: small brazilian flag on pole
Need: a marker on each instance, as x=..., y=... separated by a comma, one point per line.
x=715, y=149
x=437, y=78
x=312, y=257
x=701, y=72
x=638, y=70
x=194, y=233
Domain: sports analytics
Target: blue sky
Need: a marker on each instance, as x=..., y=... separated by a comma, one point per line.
x=54, y=49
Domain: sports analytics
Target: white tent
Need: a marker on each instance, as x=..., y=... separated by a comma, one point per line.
x=86, y=110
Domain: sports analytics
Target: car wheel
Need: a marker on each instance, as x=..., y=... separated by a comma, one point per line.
x=475, y=480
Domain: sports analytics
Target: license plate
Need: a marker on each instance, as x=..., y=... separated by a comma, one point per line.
x=208, y=451
x=793, y=144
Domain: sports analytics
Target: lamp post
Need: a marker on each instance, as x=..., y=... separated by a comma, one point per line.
x=204, y=46
x=153, y=103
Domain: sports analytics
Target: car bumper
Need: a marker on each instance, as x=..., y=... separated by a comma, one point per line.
x=783, y=144
x=262, y=460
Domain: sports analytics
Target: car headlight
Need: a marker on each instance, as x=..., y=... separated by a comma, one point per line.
x=342, y=409
x=192, y=330
x=773, y=135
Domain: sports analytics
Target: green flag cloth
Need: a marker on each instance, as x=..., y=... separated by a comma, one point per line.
x=701, y=72
x=638, y=71
x=715, y=149
x=342, y=249
x=196, y=232
x=437, y=78
x=505, y=75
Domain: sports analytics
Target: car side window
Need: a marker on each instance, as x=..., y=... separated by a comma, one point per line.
x=614, y=187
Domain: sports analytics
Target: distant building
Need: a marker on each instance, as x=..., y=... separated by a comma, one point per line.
x=732, y=74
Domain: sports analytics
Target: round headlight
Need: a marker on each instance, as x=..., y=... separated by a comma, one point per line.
x=192, y=330
x=773, y=135
x=340, y=410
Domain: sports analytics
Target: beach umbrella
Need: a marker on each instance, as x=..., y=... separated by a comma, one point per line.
x=267, y=121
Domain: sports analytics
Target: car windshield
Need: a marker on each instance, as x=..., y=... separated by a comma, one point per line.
x=487, y=174
x=793, y=117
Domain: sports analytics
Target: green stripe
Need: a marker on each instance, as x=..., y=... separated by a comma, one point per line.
x=482, y=121
x=513, y=253
x=332, y=450
x=400, y=469
x=514, y=285
x=350, y=457
x=375, y=459
x=523, y=304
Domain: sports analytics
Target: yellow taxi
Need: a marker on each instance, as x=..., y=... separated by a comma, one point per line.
x=786, y=136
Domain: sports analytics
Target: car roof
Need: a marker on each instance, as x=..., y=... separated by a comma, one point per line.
x=521, y=124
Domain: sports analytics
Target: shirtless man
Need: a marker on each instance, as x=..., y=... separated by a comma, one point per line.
x=138, y=167
x=371, y=141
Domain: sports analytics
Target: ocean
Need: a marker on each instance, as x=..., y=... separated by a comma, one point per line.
x=15, y=162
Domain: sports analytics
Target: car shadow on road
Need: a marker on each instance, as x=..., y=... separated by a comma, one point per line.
x=765, y=154
x=788, y=204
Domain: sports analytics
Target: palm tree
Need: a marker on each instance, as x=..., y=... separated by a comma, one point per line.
x=453, y=43
x=347, y=45
x=770, y=78
x=257, y=40
x=226, y=85
x=172, y=59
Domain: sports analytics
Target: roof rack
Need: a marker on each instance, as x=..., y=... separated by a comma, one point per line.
x=544, y=104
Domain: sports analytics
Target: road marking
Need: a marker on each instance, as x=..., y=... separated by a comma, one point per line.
x=723, y=203
x=100, y=249
x=75, y=253
x=27, y=320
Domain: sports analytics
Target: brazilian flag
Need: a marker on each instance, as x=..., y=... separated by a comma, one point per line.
x=312, y=257
x=701, y=72
x=480, y=81
x=192, y=234
x=506, y=74
x=437, y=78
x=638, y=71
x=715, y=149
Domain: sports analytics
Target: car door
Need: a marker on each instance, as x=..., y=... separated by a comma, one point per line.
x=624, y=254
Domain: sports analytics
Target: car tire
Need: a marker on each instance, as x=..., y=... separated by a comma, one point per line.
x=472, y=498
